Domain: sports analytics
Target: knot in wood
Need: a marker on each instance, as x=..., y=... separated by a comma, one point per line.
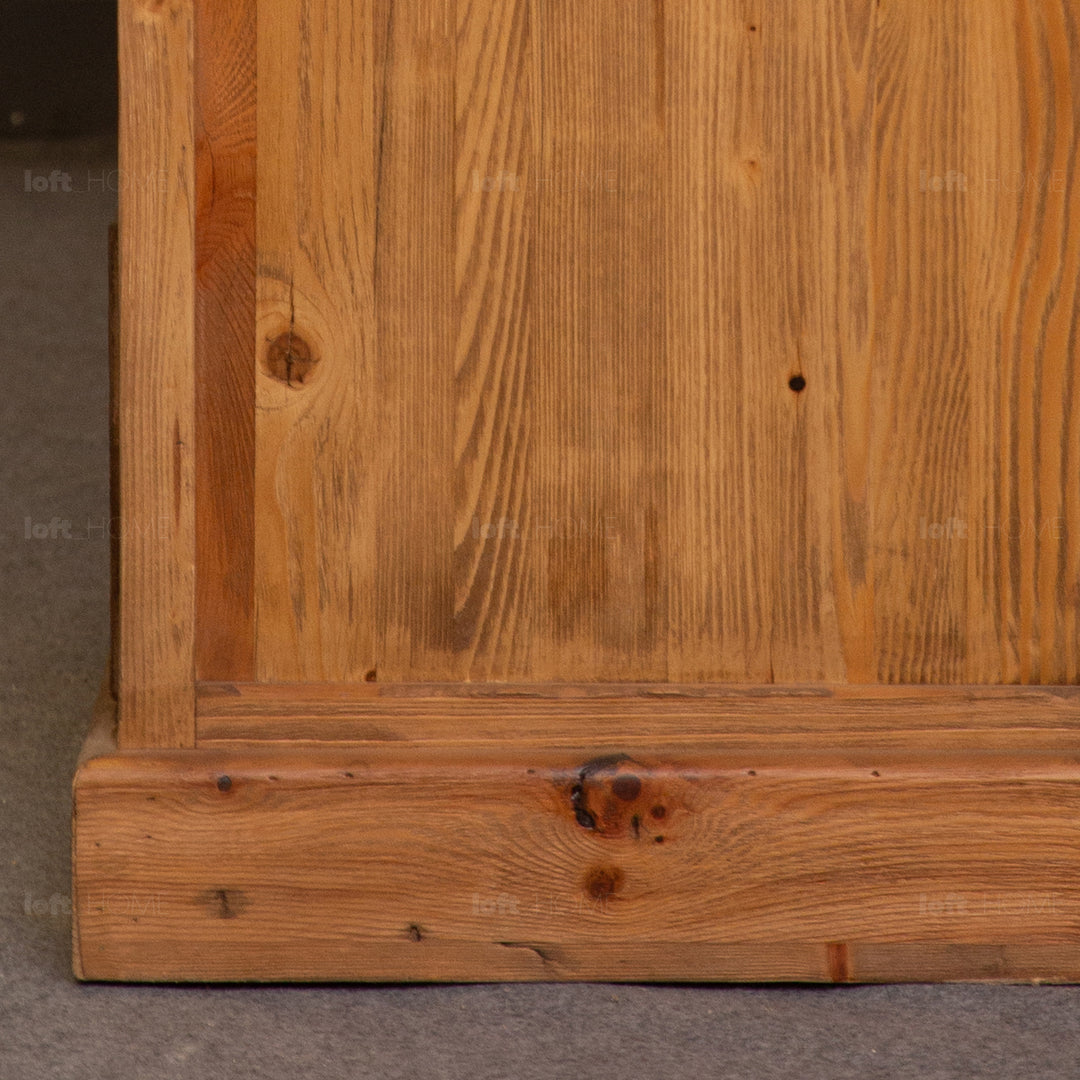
x=289, y=359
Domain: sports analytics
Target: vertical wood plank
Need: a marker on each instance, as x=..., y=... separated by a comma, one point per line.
x=317, y=475
x=495, y=543
x=224, y=331
x=549, y=272
x=600, y=413
x=1040, y=475
x=991, y=217
x=156, y=376
x=767, y=257
x=976, y=496
x=839, y=283
x=920, y=400
x=413, y=598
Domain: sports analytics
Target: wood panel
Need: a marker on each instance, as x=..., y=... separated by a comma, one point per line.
x=1039, y=460
x=771, y=124
x=224, y=332
x=656, y=341
x=608, y=715
x=412, y=603
x=925, y=352
x=318, y=475
x=155, y=377
x=974, y=499
x=496, y=556
x=600, y=411
x=534, y=861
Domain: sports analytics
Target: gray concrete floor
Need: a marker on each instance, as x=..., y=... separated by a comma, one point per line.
x=53, y=637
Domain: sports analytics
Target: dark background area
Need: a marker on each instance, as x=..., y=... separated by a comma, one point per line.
x=57, y=68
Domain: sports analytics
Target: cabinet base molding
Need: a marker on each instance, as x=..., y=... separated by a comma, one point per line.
x=796, y=841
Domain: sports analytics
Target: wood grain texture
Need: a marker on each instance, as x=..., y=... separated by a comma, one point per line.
x=628, y=440
x=496, y=563
x=318, y=477
x=156, y=377
x=529, y=861
x=975, y=278
x=551, y=271
x=606, y=716
x=224, y=331
x=768, y=126
x=600, y=411
x=412, y=603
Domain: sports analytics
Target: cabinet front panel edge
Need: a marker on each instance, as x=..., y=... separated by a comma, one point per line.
x=155, y=376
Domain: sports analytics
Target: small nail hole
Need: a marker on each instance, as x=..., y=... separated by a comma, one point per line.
x=223, y=783
x=797, y=383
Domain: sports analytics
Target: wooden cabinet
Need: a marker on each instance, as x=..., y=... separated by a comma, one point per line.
x=600, y=494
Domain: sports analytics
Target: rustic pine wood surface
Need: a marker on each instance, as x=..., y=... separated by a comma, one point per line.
x=599, y=494
x=500, y=307
x=155, y=377
x=521, y=859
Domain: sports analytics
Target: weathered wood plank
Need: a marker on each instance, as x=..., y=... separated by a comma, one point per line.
x=605, y=715
x=765, y=267
x=557, y=281
x=526, y=861
x=318, y=473
x=411, y=605
x=496, y=552
x=156, y=376
x=225, y=126
x=601, y=413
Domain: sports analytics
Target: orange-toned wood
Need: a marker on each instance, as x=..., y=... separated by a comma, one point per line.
x=224, y=339
x=685, y=351
x=608, y=715
x=498, y=858
x=496, y=582
x=518, y=404
x=156, y=376
x=317, y=474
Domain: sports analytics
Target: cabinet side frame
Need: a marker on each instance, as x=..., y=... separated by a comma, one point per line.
x=155, y=377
